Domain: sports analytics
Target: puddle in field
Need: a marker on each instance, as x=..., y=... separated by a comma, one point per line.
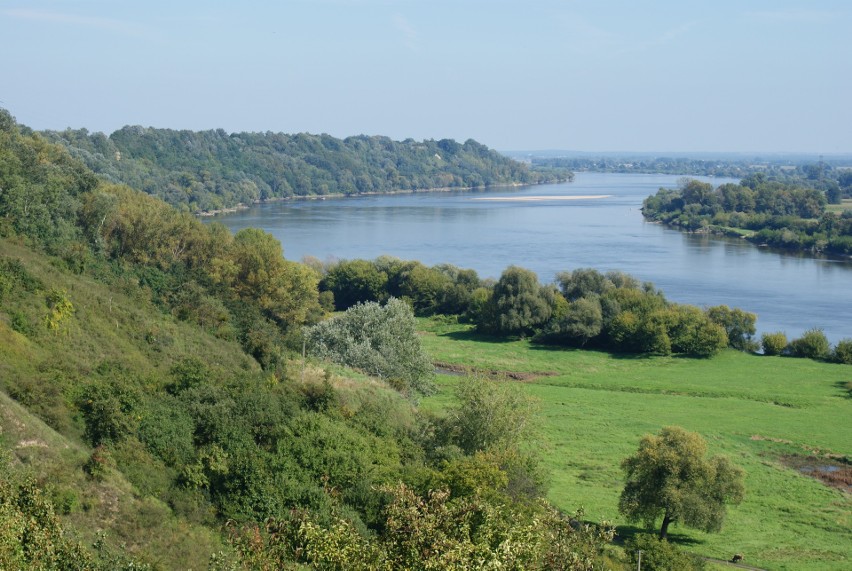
x=836, y=473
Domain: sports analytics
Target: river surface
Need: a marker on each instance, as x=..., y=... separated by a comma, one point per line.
x=593, y=222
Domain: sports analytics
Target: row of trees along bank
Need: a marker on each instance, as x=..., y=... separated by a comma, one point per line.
x=773, y=213
x=584, y=308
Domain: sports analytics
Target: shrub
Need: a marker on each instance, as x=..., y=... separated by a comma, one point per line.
x=65, y=501
x=489, y=415
x=31, y=535
x=191, y=303
x=21, y=323
x=518, y=305
x=635, y=332
x=738, y=324
x=581, y=322
x=98, y=463
x=380, y=340
x=660, y=555
x=166, y=429
x=108, y=412
x=355, y=281
x=842, y=352
x=773, y=343
x=59, y=308
x=187, y=373
x=692, y=332
x=14, y=275
x=813, y=344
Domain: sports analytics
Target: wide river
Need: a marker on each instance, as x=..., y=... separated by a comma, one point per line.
x=593, y=222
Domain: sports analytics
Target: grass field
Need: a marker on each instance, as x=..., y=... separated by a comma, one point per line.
x=846, y=204
x=757, y=410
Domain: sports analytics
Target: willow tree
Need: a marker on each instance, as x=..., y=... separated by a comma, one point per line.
x=670, y=477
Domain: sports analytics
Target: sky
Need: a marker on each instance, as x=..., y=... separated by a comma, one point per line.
x=586, y=75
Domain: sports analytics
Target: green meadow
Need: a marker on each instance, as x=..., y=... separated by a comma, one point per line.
x=765, y=413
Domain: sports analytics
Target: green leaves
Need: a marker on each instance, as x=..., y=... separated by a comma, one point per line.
x=490, y=415
x=669, y=477
x=518, y=304
x=380, y=340
x=59, y=309
x=213, y=169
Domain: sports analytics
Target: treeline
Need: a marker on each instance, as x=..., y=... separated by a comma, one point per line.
x=585, y=308
x=834, y=177
x=776, y=214
x=212, y=170
x=661, y=165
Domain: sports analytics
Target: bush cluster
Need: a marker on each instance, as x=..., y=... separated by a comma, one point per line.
x=783, y=215
x=813, y=344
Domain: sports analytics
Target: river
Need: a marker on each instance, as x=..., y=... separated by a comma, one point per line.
x=593, y=222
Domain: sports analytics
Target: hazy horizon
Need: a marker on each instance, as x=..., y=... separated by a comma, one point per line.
x=762, y=77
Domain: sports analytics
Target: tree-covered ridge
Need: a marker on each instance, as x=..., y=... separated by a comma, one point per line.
x=764, y=211
x=210, y=170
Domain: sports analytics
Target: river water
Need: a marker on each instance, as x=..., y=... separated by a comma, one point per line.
x=593, y=222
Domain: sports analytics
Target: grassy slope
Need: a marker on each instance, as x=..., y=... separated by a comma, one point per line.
x=597, y=406
x=139, y=525
x=117, y=323
x=113, y=323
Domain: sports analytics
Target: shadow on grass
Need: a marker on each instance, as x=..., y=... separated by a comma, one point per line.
x=471, y=335
x=557, y=348
x=625, y=532
x=846, y=387
x=632, y=356
x=590, y=349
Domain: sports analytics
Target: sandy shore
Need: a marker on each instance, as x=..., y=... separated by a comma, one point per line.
x=238, y=207
x=541, y=198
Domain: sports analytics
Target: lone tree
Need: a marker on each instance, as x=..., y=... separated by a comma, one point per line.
x=670, y=477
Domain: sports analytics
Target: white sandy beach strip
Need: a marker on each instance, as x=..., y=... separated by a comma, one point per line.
x=541, y=198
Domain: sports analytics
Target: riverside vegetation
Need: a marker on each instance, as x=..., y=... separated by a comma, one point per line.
x=156, y=411
x=213, y=170
x=789, y=215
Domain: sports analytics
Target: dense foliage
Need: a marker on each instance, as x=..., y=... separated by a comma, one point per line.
x=379, y=340
x=653, y=554
x=764, y=211
x=32, y=536
x=211, y=170
x=585, y=308
x=670, y=478
x=156, y=349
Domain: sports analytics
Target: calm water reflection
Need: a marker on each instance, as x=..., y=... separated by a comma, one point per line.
x=788, y=292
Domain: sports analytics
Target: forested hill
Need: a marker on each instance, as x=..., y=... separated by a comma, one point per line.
x=210, y=170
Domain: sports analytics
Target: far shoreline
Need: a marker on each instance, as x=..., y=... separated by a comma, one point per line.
x=242, y=206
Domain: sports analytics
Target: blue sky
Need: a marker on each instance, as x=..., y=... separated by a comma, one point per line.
x=723, y=75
